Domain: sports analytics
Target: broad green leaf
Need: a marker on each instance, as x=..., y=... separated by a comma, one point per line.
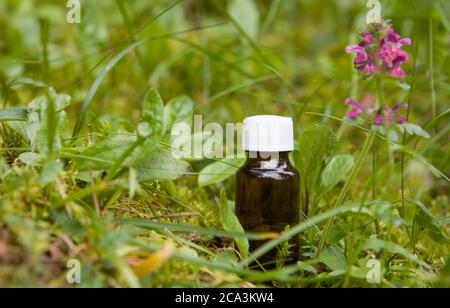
x=179, y=109
x=427, y=221
x=413, y=129
x=153, y=113
x=43, y=130
x=377, y=244
x=150, y=162
x=31, y=159
x=231, y=223
x=20, y=128
x=384, y=211
x=157, y=164
x=334, y=258
x=13, y=114
x=45, y=122
x=219, y=171
x=246, y=14
x=103, y=154
x=336, y=171
x=144, y=130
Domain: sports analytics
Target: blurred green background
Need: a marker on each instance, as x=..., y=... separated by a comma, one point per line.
x=235, y=59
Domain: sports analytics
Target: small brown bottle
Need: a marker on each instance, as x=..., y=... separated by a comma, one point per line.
x=267, y=186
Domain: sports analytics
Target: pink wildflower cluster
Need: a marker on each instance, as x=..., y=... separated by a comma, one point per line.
x=380, y=50
x=385, y=115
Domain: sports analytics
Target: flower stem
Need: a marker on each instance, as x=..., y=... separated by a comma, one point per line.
x=380, y=97
x=343, y=194
x=380, y=94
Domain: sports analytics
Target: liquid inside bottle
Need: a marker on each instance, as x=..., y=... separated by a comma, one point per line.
x=267, y=185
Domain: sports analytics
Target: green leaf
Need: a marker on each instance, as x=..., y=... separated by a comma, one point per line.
x=334, y=258
x=157, y=164
x=31, y=159
x=231, y=223
x=377, y=244
x=144, y=130
x=426, y=220
x=150, y=162
x=13, y=114
x=20, y=128
x=219, y=171
x=180, y=109
x=246, y=14
x=336, y=171
x=153, y=112
x=443, y=221
x=43, y=130
x=44, y=124
x=413, y=129
x=337, y=233
x=103, y=154
x=315, y=147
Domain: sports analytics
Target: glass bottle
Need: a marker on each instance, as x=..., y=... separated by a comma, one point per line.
x=267, y=185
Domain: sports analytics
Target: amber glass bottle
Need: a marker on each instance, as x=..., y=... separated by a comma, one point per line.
x=267, y=186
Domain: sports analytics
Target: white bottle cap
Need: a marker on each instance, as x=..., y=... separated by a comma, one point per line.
x=268, y=133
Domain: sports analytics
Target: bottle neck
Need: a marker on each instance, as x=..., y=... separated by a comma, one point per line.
x=266, y=156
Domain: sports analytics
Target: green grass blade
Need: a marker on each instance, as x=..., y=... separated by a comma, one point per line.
x=108, y=67
x=13, y=114
x=147, y=224
x=93, y=90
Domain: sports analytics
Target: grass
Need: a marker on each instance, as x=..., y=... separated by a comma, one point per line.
x=93, y=178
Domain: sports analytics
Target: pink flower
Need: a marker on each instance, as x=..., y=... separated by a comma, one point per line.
x=378, y=120
x=390, y=116
x=357, y=108
x=397, y=72
x=381, y=116
x=380, y=50
x=400, y=119
x=367, y=38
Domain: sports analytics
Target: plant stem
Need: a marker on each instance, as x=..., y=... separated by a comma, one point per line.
x=343, y=194
x=432, y=83
x=380, y=93
x=171, y=188
x=381, y=102
x=404, y=139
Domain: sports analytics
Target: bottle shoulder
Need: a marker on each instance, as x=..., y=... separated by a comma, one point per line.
x=278, y=172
